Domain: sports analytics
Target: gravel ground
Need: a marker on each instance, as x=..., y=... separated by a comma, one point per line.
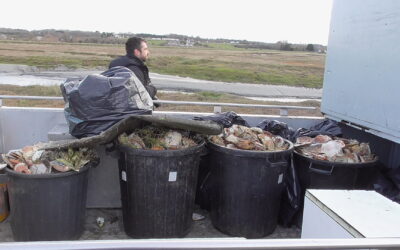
x=113, y=227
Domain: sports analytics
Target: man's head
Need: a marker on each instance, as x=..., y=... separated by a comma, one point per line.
x=138, y=47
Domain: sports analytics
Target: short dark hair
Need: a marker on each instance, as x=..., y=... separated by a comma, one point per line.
x=133, y=43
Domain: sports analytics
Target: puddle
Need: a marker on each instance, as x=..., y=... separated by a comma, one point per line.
x=27, y=80
x=270, y=99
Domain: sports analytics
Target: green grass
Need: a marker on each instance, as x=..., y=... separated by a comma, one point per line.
x=26, y=50
x=236, y=72
x=157, y=42
x=224, y=46
x=213, y=96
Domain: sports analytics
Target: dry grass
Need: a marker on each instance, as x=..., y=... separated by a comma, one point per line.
x=107, y=51
x=21, y=49
x=230, y=65
x=245, y=56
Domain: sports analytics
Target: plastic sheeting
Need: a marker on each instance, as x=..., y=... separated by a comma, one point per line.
x=226, y=119
x=277, y=128
x=101, y=100
x=387, y=183
x=292, y=200
x=133, y=122
x=326, y=127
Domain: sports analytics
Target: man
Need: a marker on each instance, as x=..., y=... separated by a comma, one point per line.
x=137, y=53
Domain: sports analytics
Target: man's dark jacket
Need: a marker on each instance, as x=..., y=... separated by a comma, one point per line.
x=139, y=68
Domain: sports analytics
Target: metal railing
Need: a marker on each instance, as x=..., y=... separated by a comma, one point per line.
x=218, y=243
x=283, y=109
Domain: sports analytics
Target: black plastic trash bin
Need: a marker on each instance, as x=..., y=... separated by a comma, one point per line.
x=158, y=190
x=245, y=190
x=47, y=206
x=320, y=174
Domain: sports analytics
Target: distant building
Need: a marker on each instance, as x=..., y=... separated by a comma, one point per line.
x=320, y=48
x=172, y=41
x=189, y=42
x=121, y=36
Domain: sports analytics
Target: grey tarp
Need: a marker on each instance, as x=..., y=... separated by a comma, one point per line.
x=137, y=121
x=101, y=100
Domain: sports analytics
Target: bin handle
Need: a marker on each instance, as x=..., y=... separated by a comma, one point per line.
x=321, y=171
x=275, y=164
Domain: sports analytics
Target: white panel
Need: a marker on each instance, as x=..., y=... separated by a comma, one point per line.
x=361, y=83
x=319, y=225
x=362, y=213
x=26, y=126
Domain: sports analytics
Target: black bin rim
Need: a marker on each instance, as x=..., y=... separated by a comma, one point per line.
x=249, y=153
x=11, y=172
x=337, y=164
x=161, y=153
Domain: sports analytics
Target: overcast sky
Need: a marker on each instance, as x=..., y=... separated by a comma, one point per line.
x=296, y=21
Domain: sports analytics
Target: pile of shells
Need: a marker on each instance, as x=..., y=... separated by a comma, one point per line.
x=32, y=160
x=326, y=148
x=156, y=138
x=242, y=137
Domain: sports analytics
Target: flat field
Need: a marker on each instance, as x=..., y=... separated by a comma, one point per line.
x=216, y=62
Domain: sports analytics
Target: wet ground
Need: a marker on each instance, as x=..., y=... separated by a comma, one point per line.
x=113, y=227
x=24, y=75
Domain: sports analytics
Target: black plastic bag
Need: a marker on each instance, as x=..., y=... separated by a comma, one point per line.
x=291, y=198
x=387, y=183
x=394, y=175
x=226, y=119
x=326, y=127
x=276, y=128
x=99, y=101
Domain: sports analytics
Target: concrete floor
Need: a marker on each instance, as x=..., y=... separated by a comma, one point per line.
x=113, y=227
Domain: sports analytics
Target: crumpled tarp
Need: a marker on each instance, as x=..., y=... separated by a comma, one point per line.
x=101, y=100
x=291, y=198
x=277, y=128
x=137, y=121
x=326, y=127
x=226, y=119
x=387, y=183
